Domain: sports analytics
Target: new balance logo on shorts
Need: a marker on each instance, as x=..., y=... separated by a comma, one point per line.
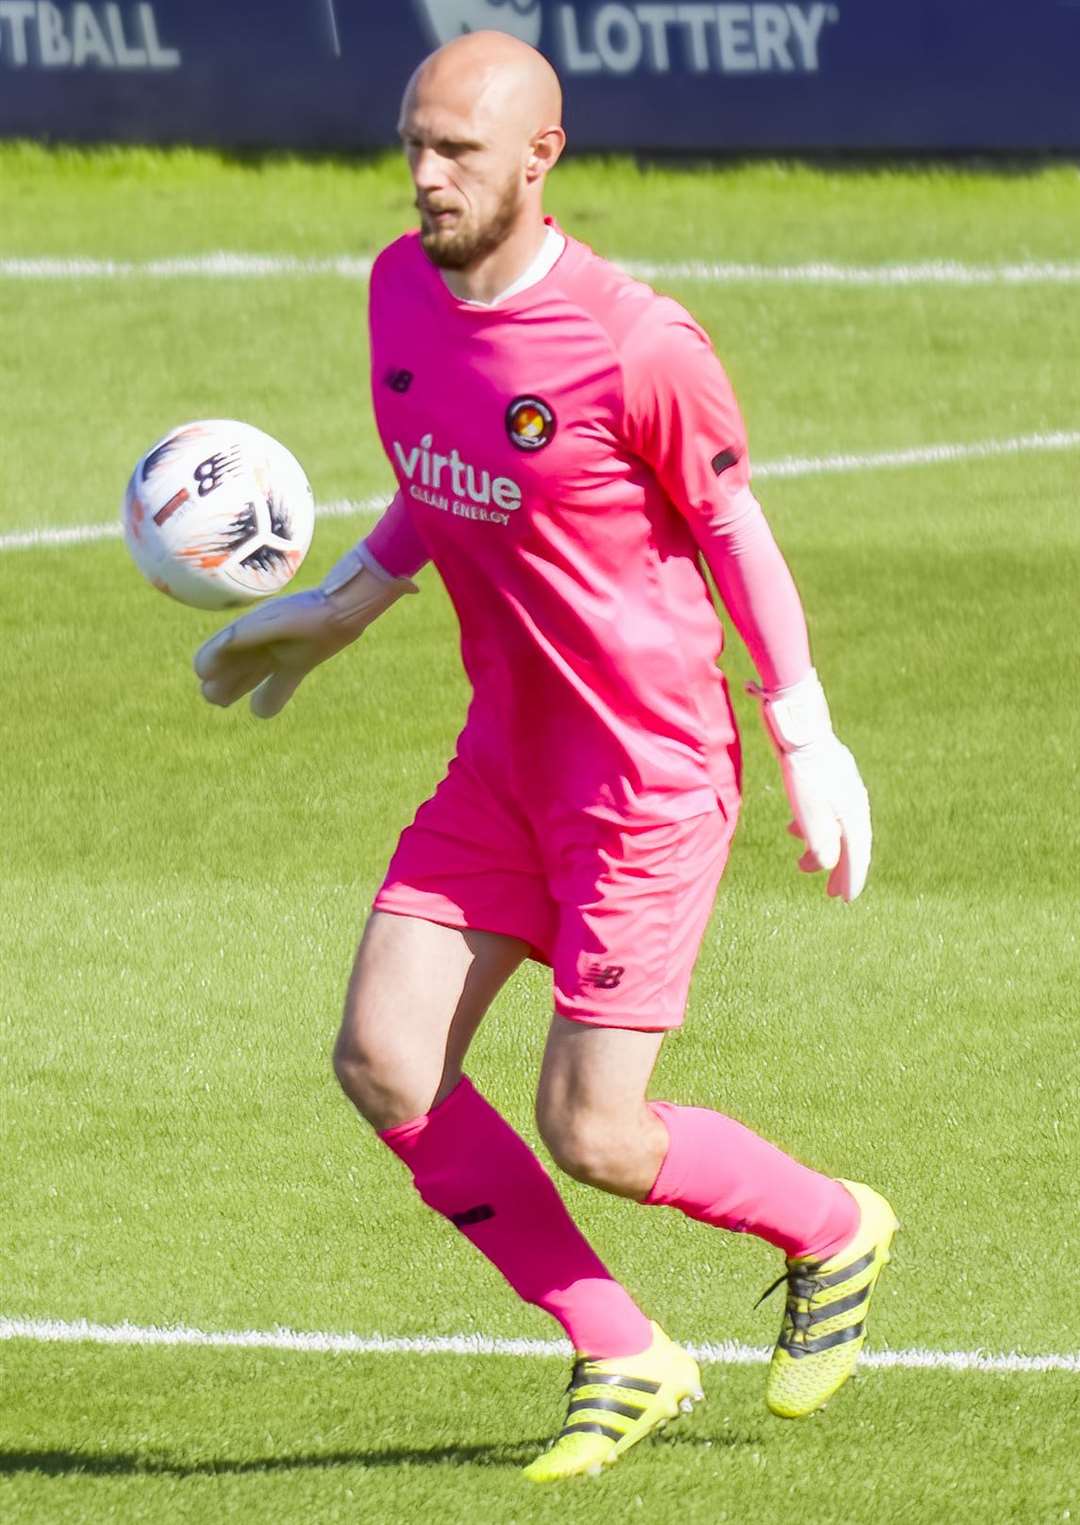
x=603, y=976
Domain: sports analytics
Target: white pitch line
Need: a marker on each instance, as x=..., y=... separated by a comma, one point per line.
x=726, y=1353
x=226, y=265
x=77, y=534
x=919, y=455
x=349, y=508
x=792, y=466
x=924, y=273
x=69, y=534
x=222, y=265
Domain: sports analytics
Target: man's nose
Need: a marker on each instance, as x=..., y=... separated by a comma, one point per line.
x=428, y=170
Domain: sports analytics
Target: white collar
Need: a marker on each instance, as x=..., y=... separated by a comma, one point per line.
x=549, y=251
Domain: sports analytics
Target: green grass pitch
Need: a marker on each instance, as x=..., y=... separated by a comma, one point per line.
x=182, y=889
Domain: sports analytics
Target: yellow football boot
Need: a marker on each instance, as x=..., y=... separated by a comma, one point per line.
x=615, y=1403
x=825, y=1318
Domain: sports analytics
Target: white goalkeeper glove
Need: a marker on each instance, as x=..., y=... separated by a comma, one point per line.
x=828, y=800
x=272, y=649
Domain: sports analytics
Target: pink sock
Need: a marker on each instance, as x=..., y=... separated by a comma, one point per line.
x=719, y=1172
x=469, y=1164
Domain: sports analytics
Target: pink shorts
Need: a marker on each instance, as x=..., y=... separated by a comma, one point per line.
x=617, y=911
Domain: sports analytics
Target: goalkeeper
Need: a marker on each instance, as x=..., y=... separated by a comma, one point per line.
x=568, y=452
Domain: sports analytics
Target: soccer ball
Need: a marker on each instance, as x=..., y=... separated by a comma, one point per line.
x=217, y=514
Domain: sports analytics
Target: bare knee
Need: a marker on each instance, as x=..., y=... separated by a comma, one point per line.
x=616, y=1154
x=416, y=994
x=387, y=1065
x=378, y=1077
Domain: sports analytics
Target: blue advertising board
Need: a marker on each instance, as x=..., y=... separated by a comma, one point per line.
x=776, y=75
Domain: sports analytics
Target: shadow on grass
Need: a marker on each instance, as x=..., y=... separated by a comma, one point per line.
x=61, y=1463
x=111, y=1463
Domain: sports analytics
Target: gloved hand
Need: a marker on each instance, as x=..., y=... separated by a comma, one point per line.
x=828, y=799
x=273, y=648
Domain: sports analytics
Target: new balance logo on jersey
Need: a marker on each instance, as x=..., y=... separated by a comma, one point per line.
x=603, y=976
x=450, y=483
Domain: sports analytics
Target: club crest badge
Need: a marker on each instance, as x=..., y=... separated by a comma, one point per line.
x=530, y=423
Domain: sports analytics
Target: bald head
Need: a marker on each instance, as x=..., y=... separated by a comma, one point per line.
x=481, y=121
x=498, y=78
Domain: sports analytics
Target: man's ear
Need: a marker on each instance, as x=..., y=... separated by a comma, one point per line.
x=544, y=152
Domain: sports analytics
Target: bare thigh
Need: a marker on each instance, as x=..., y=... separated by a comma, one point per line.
x=417, y=994
x=591, y=1107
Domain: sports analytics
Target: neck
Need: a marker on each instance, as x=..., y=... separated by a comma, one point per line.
x=492, y=273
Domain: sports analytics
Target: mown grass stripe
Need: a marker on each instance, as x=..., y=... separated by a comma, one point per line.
x=725, y=1353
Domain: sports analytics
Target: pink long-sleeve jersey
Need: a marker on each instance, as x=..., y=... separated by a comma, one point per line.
x=562, y=458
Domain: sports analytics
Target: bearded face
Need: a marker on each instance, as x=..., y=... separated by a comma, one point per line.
x=455, y=234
